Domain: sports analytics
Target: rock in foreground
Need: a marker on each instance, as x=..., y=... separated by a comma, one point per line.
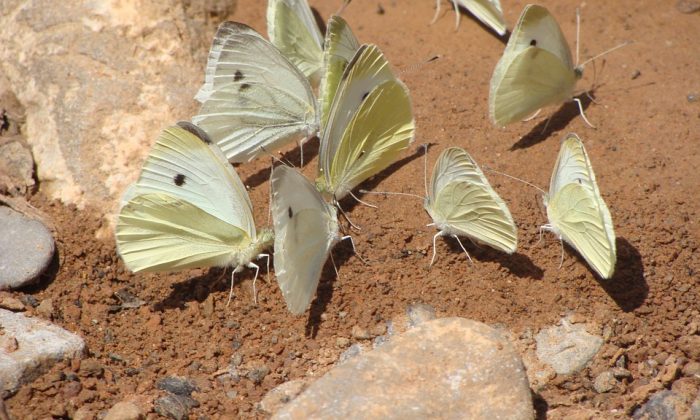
x=446, y=368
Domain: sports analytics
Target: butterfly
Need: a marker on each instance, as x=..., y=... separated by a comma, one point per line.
x=536, y=70
x=370, y=123
x=254, y=100
x=461, y=202
x=576, y=211
x=489, y=12
x=188, y=209
x=306, y=229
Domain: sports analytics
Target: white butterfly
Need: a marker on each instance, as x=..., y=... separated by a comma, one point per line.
x=536, y=70
x=461, y=202
x=188, y=209
x=370, y=123
x=576, y=210
x=488, y=12
x=306, y=229
x=254, y=100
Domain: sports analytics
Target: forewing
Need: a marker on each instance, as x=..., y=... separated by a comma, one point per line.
x=306, y=228
x=258, y=99
x=487, y=11
x=158, y=232
x=339, y=48
x=184, y=164
x=534, y=79
x=578, y=217
x=292, y=29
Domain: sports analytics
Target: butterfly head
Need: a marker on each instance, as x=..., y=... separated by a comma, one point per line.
x=578, y=72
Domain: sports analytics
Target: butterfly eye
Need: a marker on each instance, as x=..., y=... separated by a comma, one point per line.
x=179, y=180
x=533, y=43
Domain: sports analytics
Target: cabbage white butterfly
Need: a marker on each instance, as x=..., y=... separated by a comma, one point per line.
x=188, y=209
x=306, y=228
x=536, y=69
x=253, y=98
x=576, y=210
x=488, y=12
x=370, y=123
x=461, y=202
x=292, y=29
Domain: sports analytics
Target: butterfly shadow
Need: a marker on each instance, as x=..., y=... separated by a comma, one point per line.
x=46, y=278
x=341, y=253
x=517, y=264
x=627, y=287
x=557, y=122
x=289, y=158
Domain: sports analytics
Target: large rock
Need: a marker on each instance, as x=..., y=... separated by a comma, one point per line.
x=30, y=346
x=98, y=81
x=445, y=368
x=26, y=249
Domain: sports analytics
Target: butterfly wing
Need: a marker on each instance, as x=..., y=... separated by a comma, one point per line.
x=577, y=211
x=157, y=232
x=487, y=11
x=535, y=70
x=371, y=122
x=339, y=48
x=306, y=228
x=291, y=28
x=254, y=97
x=462, y=202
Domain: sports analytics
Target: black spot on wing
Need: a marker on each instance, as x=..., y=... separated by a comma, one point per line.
x=290, y=212
x=533, y=43
x=238, y=76
x=244, y=86
x=179, y=180
x=364, y=95
x=201, y=134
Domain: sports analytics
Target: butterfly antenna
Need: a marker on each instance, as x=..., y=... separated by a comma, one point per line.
x=362, y=202
x=463, y=248
x=357, y=254
x=345, y=4
x=617, y=47
x=385, y=193
x=578, y=33
x=414, y=67
x=283, y=162
x=514, y=178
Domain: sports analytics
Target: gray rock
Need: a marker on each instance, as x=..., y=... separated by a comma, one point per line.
x=40, y=344
x=16, y=166
x=419, y=313
x=351, y=352
x=447, y=368
x=281, y=395
x=663, y=405
x=125, y=410
x=177, y=385
x=26, y=249
x=605, y=382
x=567, y=348
x=98, y=80
x=257, y=374
x=695, y=409
x=175, y=406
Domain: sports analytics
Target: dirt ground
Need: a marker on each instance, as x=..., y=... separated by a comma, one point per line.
x=645, y=156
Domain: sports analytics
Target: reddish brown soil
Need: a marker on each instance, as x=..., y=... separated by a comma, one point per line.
x=645, y=155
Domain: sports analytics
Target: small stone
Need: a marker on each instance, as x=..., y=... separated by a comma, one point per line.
x=125, y=410
x=71, y=389
x=662, y=405
x=16, y=165
x=342, y=314
x=378, y=329
x=91, y=367
x=621, y=373
x=232, y=394
x=567, y=348
x=177, y=385
x=208, y=306
x=128, y=300
x=692, y=369
x=447, y=368
x=176, y=407
x=636, y=74
x=692, y=97
x=342, y=342
x=257, y=375
x=11, y=303
x=351, y=352
x=40, y=345
x=45, y=309
x=419, y=313
x=236, y=360
x=670, y=370
x=8, y=344
x=688, y=6
x=605, y=382
x=26, y=249
x=29, y=300
x=360, y=333
x=690, y=345
x=281, y=395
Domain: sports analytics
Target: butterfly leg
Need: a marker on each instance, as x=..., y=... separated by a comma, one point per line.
x=463, y=248
x=546, y=124
x=533, y=116
x=432, y=260
x=561, y=260
x=458, y=15
x=334, y=266
x=257, y=270
x=267, y=266
x=437, y=12
x=230, y=293
x=362, y=202
x=352, y=225
x=580, y=109
x=354, y=249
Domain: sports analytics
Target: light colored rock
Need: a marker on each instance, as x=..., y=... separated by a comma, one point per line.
x=567, y=348
x=282, y=394
x=16, y=166
x=445, y=368
x=419, y=313
x=125, y=410
x=666, y=405
x=605, y=382
x=26, y=249
x=39, y=345
x=99, y=80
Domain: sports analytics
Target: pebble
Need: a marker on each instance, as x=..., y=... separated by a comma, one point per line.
x=125, y=410
x=692, y=97
x=16, y=166
x=257, y=375
x=128, y=300
x=664, y=404
x=45, y=309
x=605, y=382
x=452, y=366
x=351, y=352
x=40, y=344
x=688, y=6
x=176, y=407
x=360, y=333
x=281, y=395
x=692, y=369
x=11, y=303
x=91, y=367
x=176, y=385
x=26, y=249
x=342, y=342
x=567, y=348
x=419, y=313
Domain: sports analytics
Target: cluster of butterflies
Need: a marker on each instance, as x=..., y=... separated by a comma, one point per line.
x=190, y=209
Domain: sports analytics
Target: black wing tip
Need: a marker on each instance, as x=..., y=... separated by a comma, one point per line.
x=193, y=129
